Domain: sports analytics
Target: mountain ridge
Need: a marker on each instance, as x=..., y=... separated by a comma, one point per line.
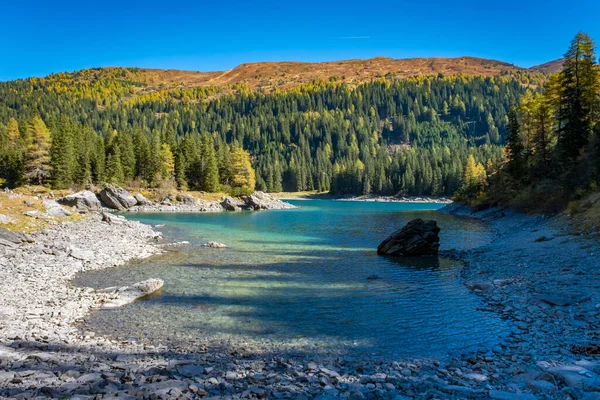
x=281, y=75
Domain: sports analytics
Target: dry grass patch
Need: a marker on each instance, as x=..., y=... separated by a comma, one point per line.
x=22, y=200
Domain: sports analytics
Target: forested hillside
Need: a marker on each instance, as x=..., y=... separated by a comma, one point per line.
x=553, y=140
x=386, y=136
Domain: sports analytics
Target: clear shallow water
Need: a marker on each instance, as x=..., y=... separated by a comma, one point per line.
x=295, y=280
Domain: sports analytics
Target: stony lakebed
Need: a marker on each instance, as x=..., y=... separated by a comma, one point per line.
x=543, y=324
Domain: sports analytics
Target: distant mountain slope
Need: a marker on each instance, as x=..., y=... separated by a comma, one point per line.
x=287, y=74
x=550, y=67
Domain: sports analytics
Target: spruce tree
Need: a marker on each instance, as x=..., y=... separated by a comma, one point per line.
x=62, y=156
x=577, y=99
x=210, y=169
x=515, y=164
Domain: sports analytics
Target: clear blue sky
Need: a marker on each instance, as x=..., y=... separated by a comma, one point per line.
x=40, y=37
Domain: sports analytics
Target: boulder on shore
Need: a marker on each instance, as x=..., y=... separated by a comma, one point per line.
x=84, y=201
x=263, y=201
x=230, y=204
x=417, y=238
x=142, y=200
x=117, y=198
x=186, y=199
x=128, y=294
x=54, y=209
x=12, y=239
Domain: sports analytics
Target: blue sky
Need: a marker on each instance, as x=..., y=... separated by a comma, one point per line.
x=39, y=37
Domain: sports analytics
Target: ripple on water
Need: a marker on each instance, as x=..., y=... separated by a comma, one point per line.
x=296, y=280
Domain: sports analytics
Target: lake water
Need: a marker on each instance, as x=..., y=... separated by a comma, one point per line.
x=296, y=281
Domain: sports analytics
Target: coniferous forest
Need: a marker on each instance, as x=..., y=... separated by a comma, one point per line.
x=426, y=135
x=552, y=154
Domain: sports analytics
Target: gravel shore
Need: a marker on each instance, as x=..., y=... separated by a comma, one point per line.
x=534, y=273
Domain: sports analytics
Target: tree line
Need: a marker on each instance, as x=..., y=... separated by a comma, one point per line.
x=410, y=136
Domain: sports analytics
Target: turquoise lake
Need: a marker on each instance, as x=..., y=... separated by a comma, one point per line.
x=296, y=281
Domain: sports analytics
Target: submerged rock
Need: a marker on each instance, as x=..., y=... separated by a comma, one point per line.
x=417, y=238
x=215, y=245
x=117, y=198
x=84, y=201
x=129, y=294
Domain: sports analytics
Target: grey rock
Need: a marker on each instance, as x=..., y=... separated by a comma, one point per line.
x=129, y=294
x=142, y=200
x=56, y=210
x=577, y=377
x=112, y=219
x=190, y=370
x=117, y=198
x=6, y=376
x=84, y=255
x=215, y=245
x=15, y=237
x=230, y=204
x=187, y=199
x=541, y=386
x=5, y=219
x=263, y=201
x=555, y=300
x=500, y=395
x=84, y=201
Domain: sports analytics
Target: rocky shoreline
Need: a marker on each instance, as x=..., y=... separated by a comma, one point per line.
x=534, y=274
x=396, y=199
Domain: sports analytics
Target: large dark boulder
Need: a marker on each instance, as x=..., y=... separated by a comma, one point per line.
x=117, y=198
x=83, y=202
x=417, y=238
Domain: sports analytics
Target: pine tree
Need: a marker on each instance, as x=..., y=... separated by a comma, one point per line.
x=142, y=153
x=577, y=99
x=210, y=169
x=38, y=143
x=180, y=169
x=515, y=149
x=113, y=172
x=224, y=164
x=127, y=153
x=11, y=154
x=155, y=162
x=62, y=156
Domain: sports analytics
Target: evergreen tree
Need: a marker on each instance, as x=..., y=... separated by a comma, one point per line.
x=127, y=154
x=577, y=99
x=113, y=172
x=62, y=155
x=515, y=149
x=210, y=169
